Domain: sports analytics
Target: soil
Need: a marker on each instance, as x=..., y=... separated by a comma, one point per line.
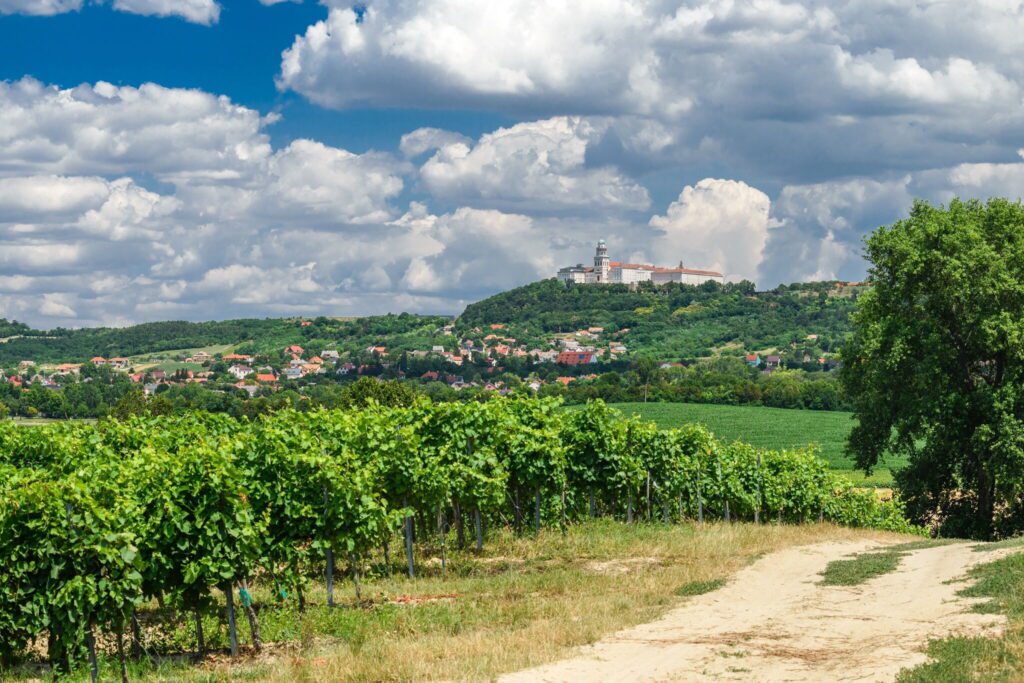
x=774, y=621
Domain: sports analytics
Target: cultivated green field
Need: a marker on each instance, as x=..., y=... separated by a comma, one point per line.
x=769, y=428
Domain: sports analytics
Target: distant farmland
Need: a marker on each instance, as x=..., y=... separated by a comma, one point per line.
x=775, y=428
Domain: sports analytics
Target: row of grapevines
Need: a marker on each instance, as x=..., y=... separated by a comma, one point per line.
x=97, y=520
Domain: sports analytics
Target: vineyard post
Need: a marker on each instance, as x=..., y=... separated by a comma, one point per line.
x=700, y=500
x=629, y=507
x=757, y=505
x=478, y=525
x=329, y=568
x=460, y=527
x=648, y=496
x=229, y=593
x=90, y=643
x=408, y=541
x=441, y=532
x=593, y=503
x=354, y=563
x=565, y=528
x=725, y=496
x=200, y=639
x=536, y=511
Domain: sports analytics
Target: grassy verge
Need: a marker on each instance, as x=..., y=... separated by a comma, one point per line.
x=520, y=603
x=866, y=566
x=983, y=659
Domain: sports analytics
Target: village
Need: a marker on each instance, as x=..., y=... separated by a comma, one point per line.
x=491, y=352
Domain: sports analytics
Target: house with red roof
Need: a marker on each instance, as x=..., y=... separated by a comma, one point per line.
x=576, y=358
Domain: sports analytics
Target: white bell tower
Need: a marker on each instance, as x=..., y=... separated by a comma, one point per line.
x=601, y=261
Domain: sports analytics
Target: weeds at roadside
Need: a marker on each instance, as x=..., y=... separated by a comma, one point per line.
x=699, y=587
x=873, y=563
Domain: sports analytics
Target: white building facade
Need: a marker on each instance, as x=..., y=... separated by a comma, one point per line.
x=606, y=271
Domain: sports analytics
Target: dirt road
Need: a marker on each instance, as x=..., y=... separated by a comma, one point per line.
x=774, y=622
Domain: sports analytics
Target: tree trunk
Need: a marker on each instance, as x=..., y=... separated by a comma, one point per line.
x=986, y=501
x=250, y=614
x=301, y=595
x=137, y=644
x=120, y=653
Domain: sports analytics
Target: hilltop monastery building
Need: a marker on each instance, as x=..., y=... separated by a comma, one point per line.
x=606, y=271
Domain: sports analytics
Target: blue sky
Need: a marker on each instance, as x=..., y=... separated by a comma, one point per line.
x=205, y=159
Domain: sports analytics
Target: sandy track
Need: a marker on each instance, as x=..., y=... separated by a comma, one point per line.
x=773, y=622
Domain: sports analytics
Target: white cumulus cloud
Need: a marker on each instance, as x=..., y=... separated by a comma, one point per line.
x=540, y=164
x=716, y=224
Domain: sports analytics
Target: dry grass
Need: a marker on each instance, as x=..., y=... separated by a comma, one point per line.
x=523, y=603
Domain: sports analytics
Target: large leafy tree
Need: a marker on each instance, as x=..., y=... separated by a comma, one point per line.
x=936, y=364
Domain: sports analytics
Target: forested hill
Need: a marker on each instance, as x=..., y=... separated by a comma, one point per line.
x=678, y=320
x=19, y=342
x=669, y=322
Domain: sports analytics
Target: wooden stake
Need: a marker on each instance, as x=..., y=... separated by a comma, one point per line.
x=229, y=593
x=90, y=643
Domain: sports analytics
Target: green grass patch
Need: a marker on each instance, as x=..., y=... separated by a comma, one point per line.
x=867, y=565
x=981, y=659
x=699, y=587
x=774, y=428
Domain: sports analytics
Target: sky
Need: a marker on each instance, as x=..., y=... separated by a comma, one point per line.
x=213, y=159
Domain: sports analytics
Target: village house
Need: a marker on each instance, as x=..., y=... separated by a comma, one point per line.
x=576, y=358
x=266, y=377
x=294, y=350
x=251, y=389
x=238, y=358
x=773, y=362
x=199, y=357
x=120, y=363
x=240, y=371
x=26, y=364
x=68, y=369
x=330, y=355
x=753, y=360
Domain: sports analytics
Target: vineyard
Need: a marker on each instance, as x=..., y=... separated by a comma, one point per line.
x=108, y=529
